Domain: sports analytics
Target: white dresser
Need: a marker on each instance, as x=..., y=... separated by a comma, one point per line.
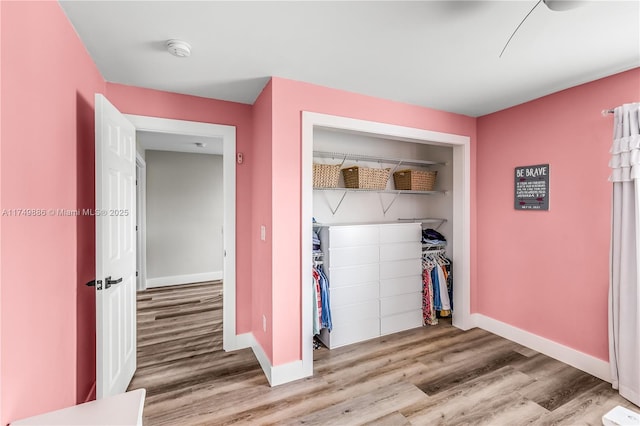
x=375, y=280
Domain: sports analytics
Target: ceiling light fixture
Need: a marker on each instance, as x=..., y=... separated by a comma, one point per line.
x=179, y=48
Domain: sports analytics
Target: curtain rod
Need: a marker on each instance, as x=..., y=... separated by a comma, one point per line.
x=606, y=112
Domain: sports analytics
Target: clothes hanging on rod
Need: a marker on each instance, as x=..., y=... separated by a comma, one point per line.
x=428, y=310
x=325, y=317
x=437, y=284
x=321, y=307
x=317, y=303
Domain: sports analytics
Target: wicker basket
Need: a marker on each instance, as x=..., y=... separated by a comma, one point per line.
x=365, y=178
x=415, y=180
x=325, y=175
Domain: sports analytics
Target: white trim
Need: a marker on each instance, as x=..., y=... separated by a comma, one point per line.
x=184, y=279
x=244, y=340
x=587, y=363
x=461, y=239
x=141, y=211
x=279, y=374
x=261, y=356
x=461, y=207
x=228, y=135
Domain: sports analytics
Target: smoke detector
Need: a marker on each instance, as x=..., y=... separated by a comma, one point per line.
x=179, y=48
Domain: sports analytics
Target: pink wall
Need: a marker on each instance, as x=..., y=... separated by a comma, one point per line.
x=154, y=103
x=48, y=84
x=1, y=207
x=261, y=158
x=290, y=98
x=547, y=272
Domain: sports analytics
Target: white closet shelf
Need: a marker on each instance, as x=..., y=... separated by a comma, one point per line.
x=382, y=191
x=397, y=161
x=385, y=209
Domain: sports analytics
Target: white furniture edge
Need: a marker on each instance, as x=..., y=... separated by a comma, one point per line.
x=124, y=408
x=587, y=363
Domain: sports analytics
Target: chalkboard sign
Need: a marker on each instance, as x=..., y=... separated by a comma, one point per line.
x=532, y=187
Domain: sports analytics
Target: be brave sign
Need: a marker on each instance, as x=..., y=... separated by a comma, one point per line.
x=532, y=187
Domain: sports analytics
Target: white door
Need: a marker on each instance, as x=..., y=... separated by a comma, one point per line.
x=115, y=250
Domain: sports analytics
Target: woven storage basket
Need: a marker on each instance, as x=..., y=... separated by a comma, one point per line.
x=325, y=175
x=365, y=178
x=415, y=180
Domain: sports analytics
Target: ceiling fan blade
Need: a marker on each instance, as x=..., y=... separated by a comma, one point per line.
x=561, y=5
x=520, y=24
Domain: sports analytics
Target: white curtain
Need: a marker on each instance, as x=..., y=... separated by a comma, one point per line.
x=624, y=292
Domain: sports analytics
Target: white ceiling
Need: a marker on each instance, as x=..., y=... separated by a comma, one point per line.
x=438, y=54
x=159, y=141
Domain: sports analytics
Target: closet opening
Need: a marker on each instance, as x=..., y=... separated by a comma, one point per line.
x=371, y=247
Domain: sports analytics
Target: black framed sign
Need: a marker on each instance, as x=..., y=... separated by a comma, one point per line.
x=531, y=187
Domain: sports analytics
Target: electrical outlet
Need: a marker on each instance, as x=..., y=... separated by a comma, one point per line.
x=264, y=323
x=263, y=233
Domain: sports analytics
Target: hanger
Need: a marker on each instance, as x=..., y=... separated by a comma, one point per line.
x=443, y=258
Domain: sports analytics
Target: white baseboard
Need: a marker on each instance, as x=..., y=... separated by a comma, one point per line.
x=280, y=374
x=580, y=360
x=184, y=279
x=243, y=341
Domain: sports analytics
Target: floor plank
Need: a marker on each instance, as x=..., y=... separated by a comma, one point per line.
x=436, y=375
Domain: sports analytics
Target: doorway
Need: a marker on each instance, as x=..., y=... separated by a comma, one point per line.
x=225, y=138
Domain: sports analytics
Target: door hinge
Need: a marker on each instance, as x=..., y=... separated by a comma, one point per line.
x=136, y=273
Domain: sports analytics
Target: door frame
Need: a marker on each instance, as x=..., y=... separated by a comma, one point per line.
x=141, y=221
x=461, y=241
x=228, y=135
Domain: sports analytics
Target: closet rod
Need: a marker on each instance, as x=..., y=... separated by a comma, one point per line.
x=428, y=253
x=606, y=112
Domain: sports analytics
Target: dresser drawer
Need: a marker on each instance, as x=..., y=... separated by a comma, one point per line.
x=400, y=232
x=349, y=295
x=351, y=275
x=399, y=322
x=352, y=256
x=400, y=268
x=399, y=251
x=357, y=235
x=401, y=303
x=395, y=286
x=354, y=312
x=352, y=332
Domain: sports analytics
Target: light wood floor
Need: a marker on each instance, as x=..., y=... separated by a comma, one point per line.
x=427, y=376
